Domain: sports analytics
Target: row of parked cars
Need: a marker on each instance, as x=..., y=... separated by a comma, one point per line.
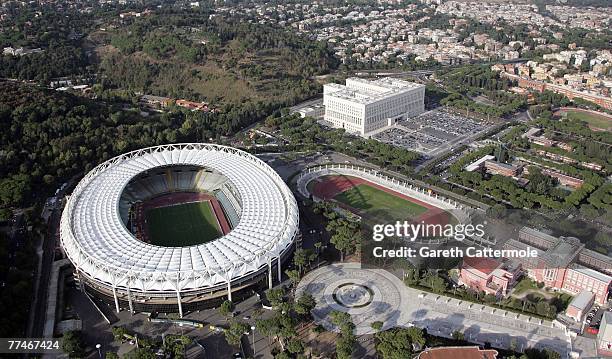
x=591, y=322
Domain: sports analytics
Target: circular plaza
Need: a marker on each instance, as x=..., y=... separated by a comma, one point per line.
x=368, y=295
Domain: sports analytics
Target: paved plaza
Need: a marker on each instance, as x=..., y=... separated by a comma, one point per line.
x=371, y=295
x=368, y=295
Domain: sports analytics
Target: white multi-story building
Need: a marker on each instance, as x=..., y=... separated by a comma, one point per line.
x=366, y=106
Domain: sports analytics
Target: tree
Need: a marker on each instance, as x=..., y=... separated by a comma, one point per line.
x=299, y=259
x=235, y=331
x=377, y=325
x=345, y=345
x=282, y=355
x=176, y=345
x=412, y=276
x=226, y=308
x=317, y=246
x=533, y=353
x=5, y=214
x=344, y=239
x=304, y=304
x=119, y=333
x=458, y=335
x=294, y=276
x=342, y=320
x=397, y=343
x=497, y=211
x=141, y=353
x=501, y=154
x=111, y=355
x=437, y=284
x=275, y=296
x=295, y=346
x=72, y=344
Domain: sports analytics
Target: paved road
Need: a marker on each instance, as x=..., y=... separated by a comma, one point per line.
x=316, y=101
x=46, y=254
x=97, y=331
x=39, y=305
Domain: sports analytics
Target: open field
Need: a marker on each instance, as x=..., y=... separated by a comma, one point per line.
x=594, y=120
x=182, y=224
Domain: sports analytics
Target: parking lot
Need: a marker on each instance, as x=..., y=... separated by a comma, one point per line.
x=411, y=140
x=593, y=321
x=432, y=131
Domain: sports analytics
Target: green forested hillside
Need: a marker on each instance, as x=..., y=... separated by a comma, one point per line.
x=217, y=60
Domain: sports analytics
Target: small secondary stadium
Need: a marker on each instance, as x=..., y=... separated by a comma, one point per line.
x=178, y=227
x=371, y=201
x=377, y=198
x=375, y=201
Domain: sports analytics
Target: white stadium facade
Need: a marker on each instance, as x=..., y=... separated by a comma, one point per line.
x=112, y=264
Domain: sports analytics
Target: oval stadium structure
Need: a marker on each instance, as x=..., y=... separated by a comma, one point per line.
x=179, y=227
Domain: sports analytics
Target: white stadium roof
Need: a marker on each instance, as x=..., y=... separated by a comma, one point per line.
x=101, y=247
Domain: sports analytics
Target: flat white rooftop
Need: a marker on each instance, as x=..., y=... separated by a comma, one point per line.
x=365, y=91
x=474, y=165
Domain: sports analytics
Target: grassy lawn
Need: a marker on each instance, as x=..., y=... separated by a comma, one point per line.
x=535, y=294
x=379, y=204
x=524, y=285
x=182, y=225
x=592, y=119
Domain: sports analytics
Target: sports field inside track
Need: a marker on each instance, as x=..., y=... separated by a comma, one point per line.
x=182, y=225
x=378, y=204
x=593, y=119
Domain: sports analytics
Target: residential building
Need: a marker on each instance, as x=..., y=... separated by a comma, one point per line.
x=556, y=157
x=580, y=305
x=195, y=106
x=20, y=51
x=604, y=337
x=155, y=101
x=562, y=263
x=565, y=180
x=498, y=168
x=479, y=163
x=542, y=141
x=532, y=133
x=592, y=166
x=579, y=278
x=566, y=90
x=489, y=275
x=366, y=106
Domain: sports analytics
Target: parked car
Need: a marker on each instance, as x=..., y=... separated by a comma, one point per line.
x=592, y=330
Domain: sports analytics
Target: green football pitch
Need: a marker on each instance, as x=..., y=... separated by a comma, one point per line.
x=182, y=225
x=592, y=119
x=379, y=205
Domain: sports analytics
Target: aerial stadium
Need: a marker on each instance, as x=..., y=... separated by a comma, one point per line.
x=177, y=228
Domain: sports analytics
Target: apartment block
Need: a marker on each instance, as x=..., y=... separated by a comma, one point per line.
x=564, y=264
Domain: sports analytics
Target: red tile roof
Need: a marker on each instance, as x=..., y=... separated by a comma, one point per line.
x=483, y=265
